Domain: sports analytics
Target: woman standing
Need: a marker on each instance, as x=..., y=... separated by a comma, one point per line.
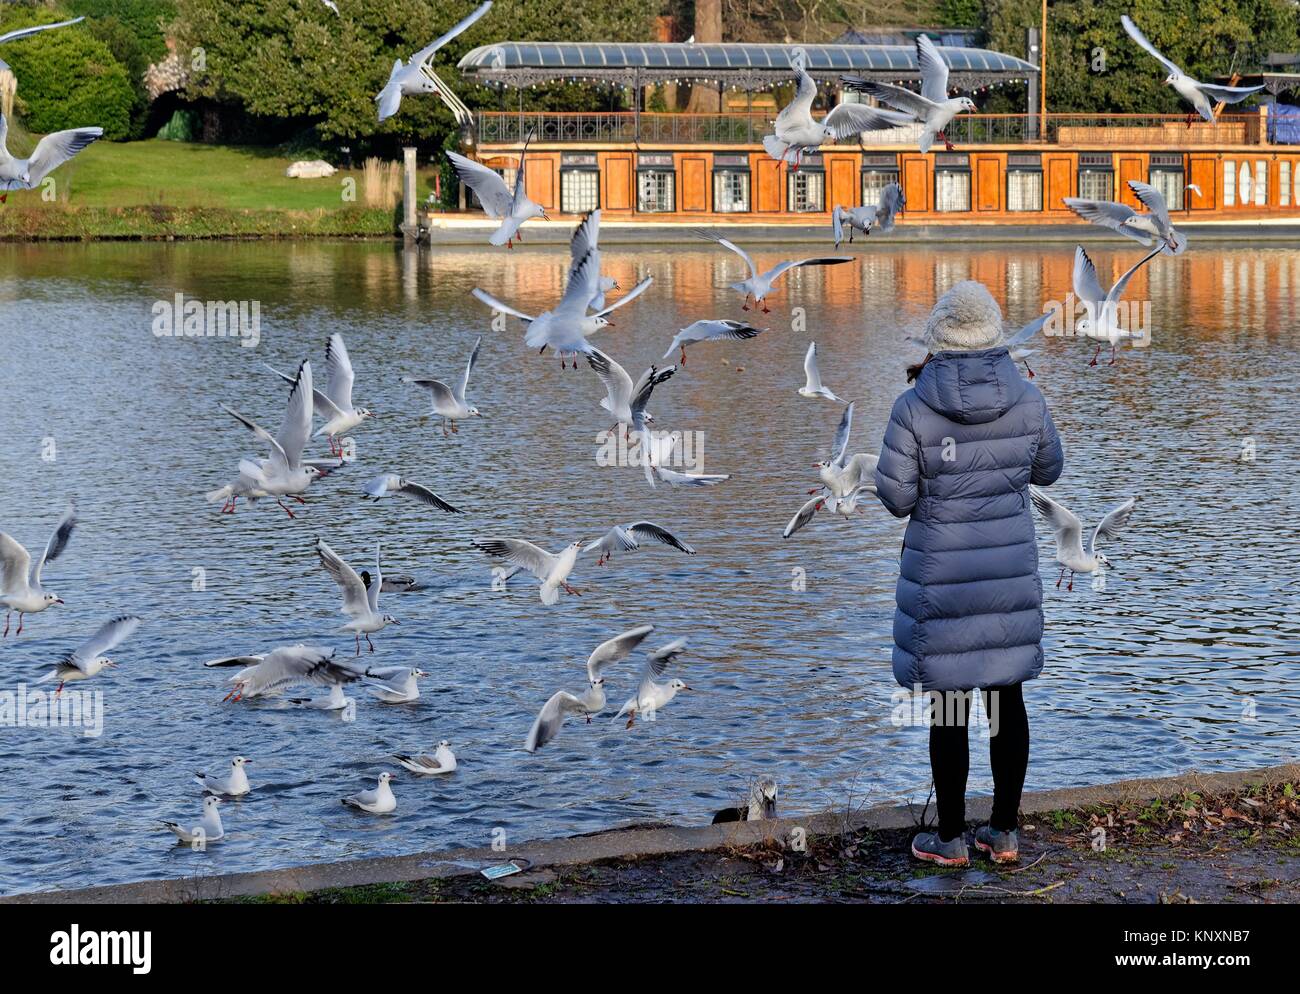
x=962, y=447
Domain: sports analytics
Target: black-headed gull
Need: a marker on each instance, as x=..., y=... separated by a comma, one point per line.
x=762, y=803
x=584, y=241
x=880, y=214
x=623, y=399
x=51, y=151
x=334, y=403
x=1015, y=342
x=932, y=108
x=335, y=700
x=1196, y=93
x=285, y=473
x=842, y=473
x=88, y=659
x=394, y=684
x=652, y=695
x=209, y=827
x=1101, y=320
x=512, y=207
x=710, y=331
x=552, y=569
x=234, y=784
x=393, y=583
x=657, y=450
x=1068, y=530
x=287, y=666
x=390, y=483
x=628, y=538
x=550, y=719
x=813, y=386
x=360, y=603
x=566, y=326
x=20, y=578
x=1147, y=229
x=442, y=761
x=759, y=285
x=449, y=402
x=416, y=76
x=797, y=132
x=379, y=801
x=843, y=506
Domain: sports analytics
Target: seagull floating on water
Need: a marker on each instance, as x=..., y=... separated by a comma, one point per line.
x=394, y=684
x=20, y=579
x=1069, y=534
x=442, y=761
x=550, y=719
x=88, y=659
x=379, y=801
x=360, y=603
x=209, y=828
x=932, y=107
x=234, y=785
x=759, y=285
x=449, y=402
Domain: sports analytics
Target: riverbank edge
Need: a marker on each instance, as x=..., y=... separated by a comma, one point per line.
x=149, y=223
x=628, y=843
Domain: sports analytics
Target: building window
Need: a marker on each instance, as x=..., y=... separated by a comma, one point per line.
x=730, y=184
x=1229, y=182
x=1261, y=183
x=1096, y=176
x=1284, y=182
x=878, y=171
x=951, y=182
x=1167, y=177
x=1024, y=182
x=806, y=187
x=655, y=183
x=579, y=183
x=1243, y=183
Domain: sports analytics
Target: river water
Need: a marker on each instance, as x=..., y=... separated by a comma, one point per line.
x=1187, y=659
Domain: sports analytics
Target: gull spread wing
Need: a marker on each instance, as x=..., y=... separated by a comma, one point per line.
x=1087, y=288
x=1028, y=331
x=54, y=150
x=1136, y=34
x=896, y=96
x=726, y=243
x=648, y=529
x=537, y=561
x=840, y=447
x=338, y=368
x=802, y=516
x=773, y=274
x=628, y=297
x=800, y=108
x=497, y=305
x=356, y=602
x=848, y=120
x=1109, y=526
x=469, y=368
x=426, y=496
x=297, y=419
x=16, y=564
x=1064, y=522
x=615, y=649
x=460, y=27
x=57, y=543
x=934, y=71
x=110, y=635
x=551, y=718
x=488, y=186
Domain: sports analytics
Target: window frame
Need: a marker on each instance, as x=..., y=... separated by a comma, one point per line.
x=732, y=165
x=811, y=166
x=877, y=164
x=1099, y=163
x=954, y=163
x=661, y=164
x=585, y=163
x=1020, y=168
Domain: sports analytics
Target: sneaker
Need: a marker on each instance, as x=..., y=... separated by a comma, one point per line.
x=928, y=847
x=1001, y=847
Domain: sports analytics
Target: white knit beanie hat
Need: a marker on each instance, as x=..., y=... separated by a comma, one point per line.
x=966, y=319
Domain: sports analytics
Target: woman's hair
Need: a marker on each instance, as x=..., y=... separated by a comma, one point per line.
x=914, y=371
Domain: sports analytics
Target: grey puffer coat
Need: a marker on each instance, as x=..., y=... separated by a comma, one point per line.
x=961, y=449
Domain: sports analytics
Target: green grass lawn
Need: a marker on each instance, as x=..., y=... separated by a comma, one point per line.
x=163, y=188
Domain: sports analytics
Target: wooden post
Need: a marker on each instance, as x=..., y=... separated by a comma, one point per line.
x=410, y=224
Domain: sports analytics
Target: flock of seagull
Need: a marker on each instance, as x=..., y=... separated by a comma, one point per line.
x=286, y=473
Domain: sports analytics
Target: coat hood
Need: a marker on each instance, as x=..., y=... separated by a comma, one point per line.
x=971, y=388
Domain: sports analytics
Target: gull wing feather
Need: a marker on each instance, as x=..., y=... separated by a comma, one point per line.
x=1109, y=527
x=459, y=28
x=497, y=305
x=840, y=447
x=1064, y=522
x=487, y=184
x=934, y=70
x=109, y=635
x=54, y=150
x=616, y=649
x=57, y=543
x=356, y=602
x=469, y=368
x=537, y=561
x=628, y=297
x=648, y=529
x=1136, y=34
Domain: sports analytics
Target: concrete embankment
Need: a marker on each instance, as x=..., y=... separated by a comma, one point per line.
x=1253, y=811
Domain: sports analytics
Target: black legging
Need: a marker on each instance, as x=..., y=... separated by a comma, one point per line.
x=950, y=759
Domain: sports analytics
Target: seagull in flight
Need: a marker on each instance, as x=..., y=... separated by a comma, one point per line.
x=20, y=578
x=1196, y=93
x=628, y=538
x=652, y=695
x=932, y=107
x=552, y=569
x=623, y=399
x=862, y=218
x=1069, y=534
x=842, y=474
x=566, y=326
x=550, y=719
x=813, y=378
x=416, y=76
x=796, y=132
x=449, y=402
x=334, y=403
x=1147, y=229
x=710, y=331
x=28, y=32
x=1101, y=321
x=287, y=666
x=513, y=207
x=759, y=285
x=88, y=659
x=51, y=152
x=360, y=603
x=391, y=483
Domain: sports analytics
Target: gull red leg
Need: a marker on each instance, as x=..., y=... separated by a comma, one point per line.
x=1094, y=356
x=1060, y=578
x=284, y=508
x=358, y=652
x=20, y=624
x=6, y=632
x=369, y=643
x=1070, y=585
